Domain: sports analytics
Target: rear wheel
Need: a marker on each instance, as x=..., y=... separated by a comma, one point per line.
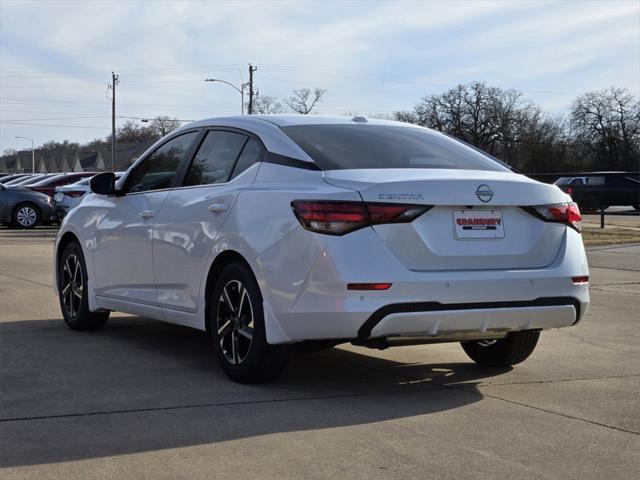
x=25, y=215
x=511, y=350
x=238, y=330
x=72, y=292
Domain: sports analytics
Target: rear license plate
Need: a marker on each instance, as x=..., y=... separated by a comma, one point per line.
x=469, y=224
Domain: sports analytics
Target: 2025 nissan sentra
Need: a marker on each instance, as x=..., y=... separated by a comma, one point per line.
x=279, y=233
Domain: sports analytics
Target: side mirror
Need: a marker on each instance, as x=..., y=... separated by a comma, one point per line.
x=103, y=183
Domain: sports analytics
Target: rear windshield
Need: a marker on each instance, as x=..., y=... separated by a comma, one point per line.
x=342, y=147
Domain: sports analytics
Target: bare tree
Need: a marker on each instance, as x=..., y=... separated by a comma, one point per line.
x=304, y=100
x=132, y=132
x=265, y=104
x=606, y=128
x=163, y=125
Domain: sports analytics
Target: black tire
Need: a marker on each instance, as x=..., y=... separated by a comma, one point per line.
x=72, y=292
x=25, y=215
x=511, y=350
x=236, y=312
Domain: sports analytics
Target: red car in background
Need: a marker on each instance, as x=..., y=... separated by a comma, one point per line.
x=48, y=186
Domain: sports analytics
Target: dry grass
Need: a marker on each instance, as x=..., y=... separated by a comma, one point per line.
x=609, y=236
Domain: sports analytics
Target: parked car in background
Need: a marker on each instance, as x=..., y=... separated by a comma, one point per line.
x=68, y=196
x=9, y=178
x=603, y=189
x=23, y=182
x=267, y=231
x=22, y=208
x=18, y=181
x=49, y=185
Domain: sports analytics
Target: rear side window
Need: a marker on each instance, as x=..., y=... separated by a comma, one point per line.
x=250, y=155
x=216, y=158
x=595, y=180
x=341, y=147
x=158, y=169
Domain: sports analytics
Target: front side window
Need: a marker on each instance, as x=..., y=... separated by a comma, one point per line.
x=216, y=158
x=158, y=169
x=340, y=147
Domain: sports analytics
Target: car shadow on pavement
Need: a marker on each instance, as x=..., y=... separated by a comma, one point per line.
x=140, y=385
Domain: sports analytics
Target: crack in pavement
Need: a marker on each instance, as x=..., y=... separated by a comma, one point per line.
x=559, y=380
x=15, y=277
x=207, y=405
x=622, y=292
x=618, y=269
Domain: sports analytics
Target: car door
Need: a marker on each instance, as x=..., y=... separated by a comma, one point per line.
x=123, y=256
x=193, y=215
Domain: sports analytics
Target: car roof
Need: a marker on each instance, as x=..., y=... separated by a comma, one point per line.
x=294, y=120
x=267, y=127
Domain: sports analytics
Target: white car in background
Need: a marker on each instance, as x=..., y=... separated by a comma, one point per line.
x=69, y=196
x=274, y=231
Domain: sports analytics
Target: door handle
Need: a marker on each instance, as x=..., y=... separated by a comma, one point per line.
x=146, y=214
x=218, y=207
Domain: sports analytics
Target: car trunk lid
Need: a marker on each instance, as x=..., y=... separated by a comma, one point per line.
x=476, y=220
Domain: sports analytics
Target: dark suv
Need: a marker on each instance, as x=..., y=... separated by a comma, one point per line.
x=593, y=191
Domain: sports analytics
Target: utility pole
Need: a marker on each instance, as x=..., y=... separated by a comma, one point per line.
x=33, y=153
x=114, y=82
x=251, y=70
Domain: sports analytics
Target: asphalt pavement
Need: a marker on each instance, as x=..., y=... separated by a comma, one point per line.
x=145, y=399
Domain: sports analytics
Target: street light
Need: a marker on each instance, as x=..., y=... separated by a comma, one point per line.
x=33, y=154
x=241, y=89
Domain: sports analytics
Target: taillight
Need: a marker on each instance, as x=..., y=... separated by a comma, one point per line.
x=567, y=213
x=341, y=217
x=74, y=193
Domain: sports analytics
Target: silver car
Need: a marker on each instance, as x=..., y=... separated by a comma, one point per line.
x=22, y=208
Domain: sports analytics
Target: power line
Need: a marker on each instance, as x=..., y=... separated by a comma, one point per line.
x=49, y=119
x=52, y=125
x=139, y=71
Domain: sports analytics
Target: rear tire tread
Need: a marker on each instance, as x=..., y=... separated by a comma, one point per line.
x=513, y=349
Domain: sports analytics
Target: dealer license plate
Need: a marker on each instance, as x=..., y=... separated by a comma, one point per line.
x=470, y=224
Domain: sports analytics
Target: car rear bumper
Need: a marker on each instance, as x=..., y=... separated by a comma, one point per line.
x=433, y=304
x=434, y=319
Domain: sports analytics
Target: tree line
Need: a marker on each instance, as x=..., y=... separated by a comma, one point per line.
x=601, y=130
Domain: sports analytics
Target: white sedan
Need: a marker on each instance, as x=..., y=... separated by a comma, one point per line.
x=276, y=233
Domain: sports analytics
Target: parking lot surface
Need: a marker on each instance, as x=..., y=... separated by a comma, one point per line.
x=144, y=399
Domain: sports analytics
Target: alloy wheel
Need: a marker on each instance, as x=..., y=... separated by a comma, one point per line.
x=26, y=216
x=72, y=285
x=235, y=322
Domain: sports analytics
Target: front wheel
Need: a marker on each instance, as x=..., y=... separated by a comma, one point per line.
x=25, y=215
x=514, y=348
x=238, y=331
x=72, y=292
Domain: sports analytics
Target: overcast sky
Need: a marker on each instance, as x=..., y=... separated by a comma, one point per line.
x=56, y=57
